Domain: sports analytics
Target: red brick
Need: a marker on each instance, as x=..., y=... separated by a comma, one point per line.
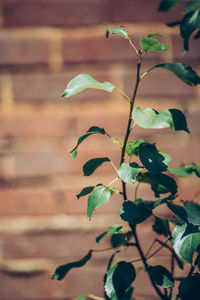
x=27, y=201
x=27, y=49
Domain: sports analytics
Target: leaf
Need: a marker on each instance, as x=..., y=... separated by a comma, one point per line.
x=135, y=213
x=91, y=165
x=160, y=183
x=165, y=5
x=120, y=239
x=128, y=171
x=61, y=271
x=97, y=198
x=188, y=25
x=150, y=118
x=132, y=148
x=119, y=30
x=179, y=211
x=186, y=239
x=85, y=191
x=154, y=34
x=195, y=4
x=189, y=288
x=186, y=170
x=163, y=200
x=118, y=280
x=161, y=226
x=183, y=72
x=91, y=130
x=189, y=213
x=85, y=81
x=161, y=276
x=111, y=230
x=152, y=159
x=150, y=44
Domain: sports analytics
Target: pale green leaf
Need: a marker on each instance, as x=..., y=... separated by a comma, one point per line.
x=119, y=30
x=150, y=44
x=128, y=171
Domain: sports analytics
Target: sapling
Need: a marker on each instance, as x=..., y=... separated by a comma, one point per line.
x=182, y=230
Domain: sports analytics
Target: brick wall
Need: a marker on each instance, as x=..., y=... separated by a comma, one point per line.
x=43, y=44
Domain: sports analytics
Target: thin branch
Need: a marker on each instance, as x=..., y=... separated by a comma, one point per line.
x=144, y=74
x=156, y=251
x=113, y=181
x=136, y=189
x=114, y=167
x=123, y=93
x=133, y=46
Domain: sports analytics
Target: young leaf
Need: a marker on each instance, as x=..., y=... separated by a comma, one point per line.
x=91, y=130
x=161, y=276
x=150, y=44
x=169, y=118
x=183, y=72
x=188, y=25
x=118, y=280
x=132, y=148
x=97, y=198
x=85, y=191
x=85, y=81
x=161, y=226
x=128, y=171
x=91, y=165
x=61, y=271
x=195, y=4
x=114, y=229
x=186, y=239
x=165, y=5
x=119, y=30
x=189, y=288
x=186, y=170
x=135, y=213
x=120, y=239
x=152, y=159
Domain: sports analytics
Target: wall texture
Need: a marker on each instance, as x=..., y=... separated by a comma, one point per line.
x=44, y=44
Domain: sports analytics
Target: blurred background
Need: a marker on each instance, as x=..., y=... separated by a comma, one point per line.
x=43, y=45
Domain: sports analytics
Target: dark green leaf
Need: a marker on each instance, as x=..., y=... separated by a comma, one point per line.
x=111, y=230
x=179, y=211
x=150, y=44
x=161, y=226
x=160, y=183
x=186, y=170
x=152, y=159
x=165, y=5
x=132, y=148
x=85, y=81
x=183, y=72
x=91, y=130
x=163, y=200
x=154, y=34
x=186, y=239
x=119, y=30
x=189, y=288
x=128, y=171
x=150, y=118
x=195, y=4
x=135, y=213
x=85, y=191
x=189, y=213
x=91, y=165
x=188, y=25
x=120, y=239
x=118, y=280
x=161, y=276
x=61, y=271
x=97, y=198
x=197, y=35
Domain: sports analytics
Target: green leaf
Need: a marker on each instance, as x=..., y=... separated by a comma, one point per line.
x=163, y=200
x=189, y=288
x=154, y=34
x=161, y=276
x=132, y=148
x=186, y=170
x=128, y=171
x=150, y=118
x=152, y=159
x=179, y=211
x=160, y=183
x=183, y=72
x=85, y=81
x=118, y=280
x=189, y=213
x=186, y=239
x=81, y=298
x=97, y=198
x=61, y=271
x=119, y=30
x=85, y=191
x=161, y=226
x=188, y=25
x=165, y=5
x=135, y=212
x=91, y=165
x=120, y=239
x=150, y=44
x=111, y=230
x=91, y=130
x=195, y=4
